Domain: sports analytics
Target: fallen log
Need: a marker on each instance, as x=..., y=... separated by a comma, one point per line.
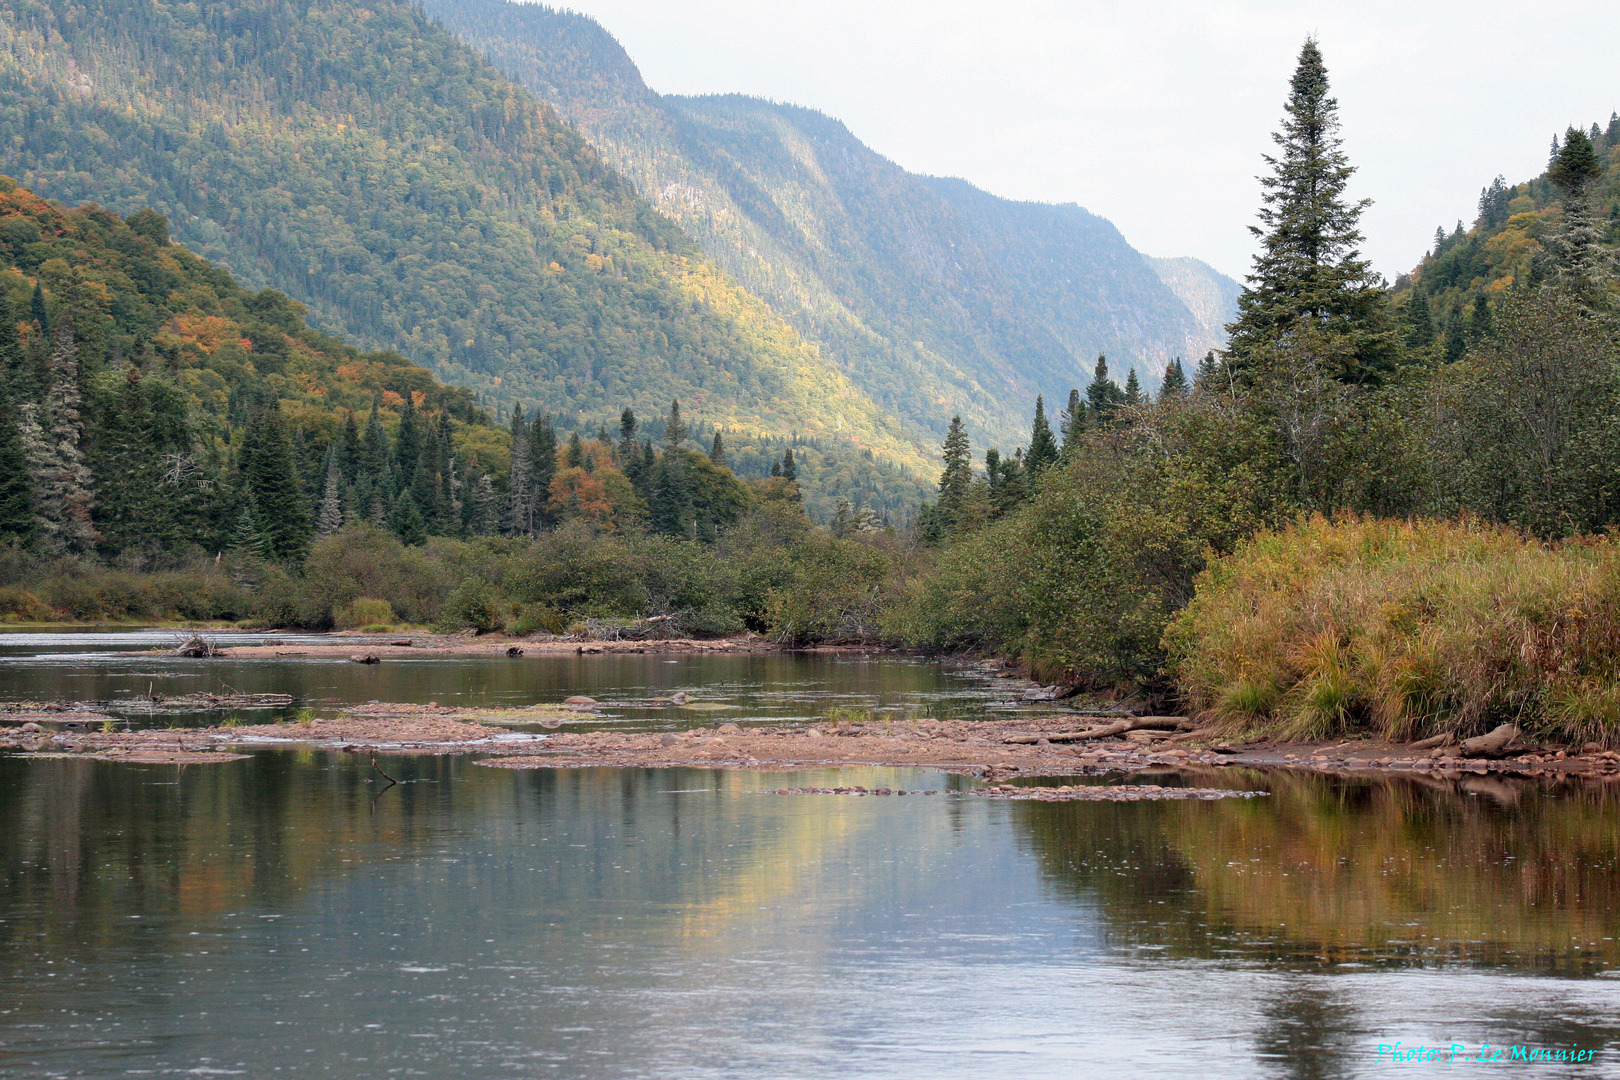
x=1433, y=741
x=1118, y=727
x=1491, y=744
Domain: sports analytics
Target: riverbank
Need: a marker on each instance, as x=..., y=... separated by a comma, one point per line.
x=991, y=750
x=367, y=648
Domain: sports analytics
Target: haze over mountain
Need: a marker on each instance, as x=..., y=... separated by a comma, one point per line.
x=935, y=297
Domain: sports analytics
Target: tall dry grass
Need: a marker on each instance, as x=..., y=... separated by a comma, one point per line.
x=1404, y=630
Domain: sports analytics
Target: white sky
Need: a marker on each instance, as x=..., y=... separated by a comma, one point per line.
x=1154, y=114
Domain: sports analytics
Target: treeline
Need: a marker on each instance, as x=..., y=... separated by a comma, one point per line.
x=359, y=158
x=1079, y=555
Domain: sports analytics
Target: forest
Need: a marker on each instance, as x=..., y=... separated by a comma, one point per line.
x=1332, y=525
x=361, y=160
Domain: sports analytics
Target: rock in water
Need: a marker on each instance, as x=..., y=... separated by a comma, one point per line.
x=580, y=701
x=365, y=658
x=514, y=650
x=678, y=698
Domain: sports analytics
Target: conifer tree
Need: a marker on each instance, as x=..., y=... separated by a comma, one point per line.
x=373, y=468
x=790, y=468
x=16, y=379
x=1173, y=386
x=520, y=493
x=484, y=517
x=132, y=503
x=17, y=524
x=574, y=456
x=330, y=518
x=1419, y=322
x=407, y=446
x=38, y=312
x=1580, y=260
x=1043, y=447
x=1103, y=396
x=542, y=467
x=1074, y=424
x=956, y=479
x=628, y=448
x=1133, y=391
x=717, y=450
x=1309, y=276
x=670, y=510
x=270, y=475
x=405, y=520
x=674, y=427
x=65, y=484
x=348, y=449
x=249, y=536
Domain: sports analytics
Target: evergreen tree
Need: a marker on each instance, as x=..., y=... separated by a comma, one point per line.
x=1133, y=391
x=1074, y=424
x=38, y=312
x=330, y=518
x=1419, y=322
x=574, y=456
x=790, y=468
x=65, y=485
x=16, y=378
x=956, y=479
x=1043, y=448
x=1309, y=276
x=628, y=449
x=1580, y=260
x=373, y=467
x=520, y=491
x=484, y=516
x=674, y=427
x=717, y=450
x=17, y=524
x=1493, y=204
x=407, y=446
x=542, y=467
x=132, y=501
x=248, y=534
x=1103, y=396
x=670, y=510
x=405, y=521
x=269, y=473
x=348, y=449
x=1173, y=387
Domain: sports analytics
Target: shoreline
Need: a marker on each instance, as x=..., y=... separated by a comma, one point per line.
x=529, y=738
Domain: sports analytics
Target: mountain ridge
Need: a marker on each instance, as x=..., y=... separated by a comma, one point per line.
x=923, y=289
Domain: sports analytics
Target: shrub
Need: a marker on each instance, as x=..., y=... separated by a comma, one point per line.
x=20, y=605
x=471, y=607
x=364, y=611
x=1404, y=630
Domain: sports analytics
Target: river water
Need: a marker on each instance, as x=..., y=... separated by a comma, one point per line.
x=280, y=915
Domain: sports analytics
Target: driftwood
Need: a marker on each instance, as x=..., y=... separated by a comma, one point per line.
x=1433, y=741
x=1118, y=727
x=365, y=658
x=197, y=647
x=1491, y=744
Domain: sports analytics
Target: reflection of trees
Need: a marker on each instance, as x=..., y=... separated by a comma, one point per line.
x=1399, y=869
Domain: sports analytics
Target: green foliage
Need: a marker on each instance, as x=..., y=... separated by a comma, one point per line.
x=364, y=611
x=936, y=297
x=413, y=198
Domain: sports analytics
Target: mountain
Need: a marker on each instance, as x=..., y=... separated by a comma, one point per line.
x=1458, y=277
x=933, y=296
x=360, y=158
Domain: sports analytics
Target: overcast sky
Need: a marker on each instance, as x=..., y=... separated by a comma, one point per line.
x=1154, y=114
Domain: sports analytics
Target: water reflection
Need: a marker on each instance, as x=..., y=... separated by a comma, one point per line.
x=263, y=915
x=741, y=687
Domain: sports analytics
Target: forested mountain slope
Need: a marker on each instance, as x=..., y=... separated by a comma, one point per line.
x=360, y=158
x=935, y=297
x=1448, y=297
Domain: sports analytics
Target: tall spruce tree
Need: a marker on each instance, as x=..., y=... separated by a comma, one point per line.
x=717, y=450
x=674, y=427
x=1043, y=448
x=519, y=488
x=372, y=466
x=956, y=479
x=38, y=312
x=407, y=445
x=17, y=524
x=790, y=467
x=1309, y=277
x=17, y=381
x=65, y=485
x=329, y=519
x=542, y=468
x=1103, y=396
x=271, y=476
x=1074, y=424
x=1580, y=260
x=1133, y=391
x=1173, y=386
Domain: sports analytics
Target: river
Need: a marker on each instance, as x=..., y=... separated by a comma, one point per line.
x=288, y=915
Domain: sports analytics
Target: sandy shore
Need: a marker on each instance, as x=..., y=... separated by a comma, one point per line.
x=530, y=739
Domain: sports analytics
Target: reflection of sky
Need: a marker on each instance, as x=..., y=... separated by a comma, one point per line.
x=606, y=923
x=765, y=686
